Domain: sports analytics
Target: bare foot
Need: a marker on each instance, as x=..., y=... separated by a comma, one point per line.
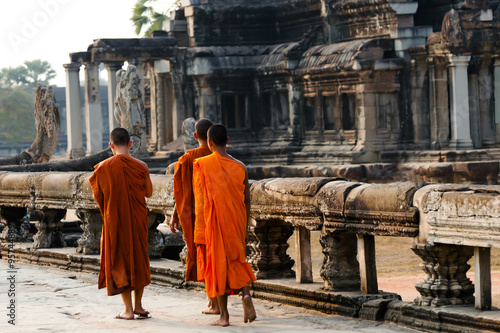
x=124, y=315
x=249, y=314
x=221, y=322
x=211, y=311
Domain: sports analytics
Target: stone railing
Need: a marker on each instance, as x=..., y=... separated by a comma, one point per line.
x=449, y=223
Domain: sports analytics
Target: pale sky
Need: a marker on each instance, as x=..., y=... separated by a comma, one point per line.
x=51, y=29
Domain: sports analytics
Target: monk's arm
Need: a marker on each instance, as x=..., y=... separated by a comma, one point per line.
x=174, y=222
x=149, y=186
x=96, y=190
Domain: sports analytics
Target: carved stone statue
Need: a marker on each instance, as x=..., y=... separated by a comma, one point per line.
x=129, y=107
x=48, y=128
x=187, y=134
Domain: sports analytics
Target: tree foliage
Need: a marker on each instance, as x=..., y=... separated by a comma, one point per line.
x=30, y=73
x=145, y=17
x=17, y=123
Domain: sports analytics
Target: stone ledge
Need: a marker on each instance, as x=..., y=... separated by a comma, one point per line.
x=378, y=307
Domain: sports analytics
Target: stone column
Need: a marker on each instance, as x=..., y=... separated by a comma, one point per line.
x=266, y=249
x=497, y=98
x=446, y=282
x=156, y=244
x=295, y=111
x=340, y=269
x=160, y=110
x=90, y=241
x=438, y=100
x=304, y=261
x=459, y=98
x=49, y=229
x=73, y=111
x=15, y=218
x=112, y=67
x=420, y=103
x=486, y=97
x=93, y=111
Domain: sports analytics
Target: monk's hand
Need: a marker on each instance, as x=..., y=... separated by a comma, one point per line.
x=174, y=223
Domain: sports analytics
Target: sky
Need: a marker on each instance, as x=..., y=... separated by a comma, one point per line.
x=51, y=29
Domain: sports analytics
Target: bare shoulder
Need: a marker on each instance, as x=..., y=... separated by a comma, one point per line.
x=142, y=163
x=238, y=161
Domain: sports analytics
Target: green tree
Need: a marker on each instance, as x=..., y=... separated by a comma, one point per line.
x=144, y=16
x=17, y=123
x=30, y=73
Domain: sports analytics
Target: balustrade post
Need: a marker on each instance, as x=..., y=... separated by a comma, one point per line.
x=90, y=241
x=49, y=225
x=340, y=269
x=304, y=261
x=15, y=218
x=156, y=245
x=446, y=282
x=266, y=249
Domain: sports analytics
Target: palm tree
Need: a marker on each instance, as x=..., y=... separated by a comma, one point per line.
x=145, y=16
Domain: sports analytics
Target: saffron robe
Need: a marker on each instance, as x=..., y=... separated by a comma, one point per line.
x=221, y=224
x=184, y=204
x=120, y=185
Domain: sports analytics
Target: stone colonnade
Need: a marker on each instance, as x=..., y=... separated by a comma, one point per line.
x=93, y=111
x=165, y=124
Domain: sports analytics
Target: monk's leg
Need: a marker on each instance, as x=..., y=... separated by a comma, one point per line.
x=213, y=306
x=249, y=314
x=127, y=300
x=138, y=309
x=224, y=314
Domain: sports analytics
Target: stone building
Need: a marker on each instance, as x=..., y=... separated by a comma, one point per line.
x=308, y=81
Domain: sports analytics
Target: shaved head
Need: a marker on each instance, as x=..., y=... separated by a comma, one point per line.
x=201, y=128
x=119, y=137
x=218, y=135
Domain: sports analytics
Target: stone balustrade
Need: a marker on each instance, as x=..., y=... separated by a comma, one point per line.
x=449, y=224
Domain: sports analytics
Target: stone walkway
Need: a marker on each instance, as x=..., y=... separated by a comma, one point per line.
x=53, y=300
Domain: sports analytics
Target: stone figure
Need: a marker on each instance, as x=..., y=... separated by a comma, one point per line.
x=48, y=128
x=188, y=134
x=129, y=107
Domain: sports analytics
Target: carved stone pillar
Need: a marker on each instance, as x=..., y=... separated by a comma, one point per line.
x=49, y=225
x=14, y=230
x=459, y=99
x=90, y=241
x=160, y=110
x=340, y=269
x=112, y=67
x=93, y=110
x=155, y=239
x=497, y=98
x=446, y=267
x=266, y=250
x=73, y=111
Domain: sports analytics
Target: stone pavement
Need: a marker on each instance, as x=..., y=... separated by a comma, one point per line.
x=54, y=300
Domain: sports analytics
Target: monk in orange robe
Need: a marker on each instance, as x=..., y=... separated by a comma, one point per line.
x=222, y=199
x=120, y=185
x=184, y=211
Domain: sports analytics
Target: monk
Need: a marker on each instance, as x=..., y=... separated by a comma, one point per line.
x=222, y=199
x=184, y=203
x=120, y=185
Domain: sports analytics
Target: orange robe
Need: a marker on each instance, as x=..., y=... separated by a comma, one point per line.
x=221, y=224
x=184, y=204
x=120, y=185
